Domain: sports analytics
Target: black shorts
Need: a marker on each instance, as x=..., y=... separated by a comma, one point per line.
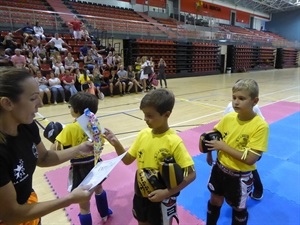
x=235, y=187
x=155, y=213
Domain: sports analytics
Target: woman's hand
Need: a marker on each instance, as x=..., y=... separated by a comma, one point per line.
x=81, y=194
x=86, y=148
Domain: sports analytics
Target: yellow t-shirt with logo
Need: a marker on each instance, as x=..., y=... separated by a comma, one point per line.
x=240, y=135
x=150, y=149
x=72, y=135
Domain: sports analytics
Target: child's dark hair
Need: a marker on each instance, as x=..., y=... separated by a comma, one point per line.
x=161, y=99
x=82, y=100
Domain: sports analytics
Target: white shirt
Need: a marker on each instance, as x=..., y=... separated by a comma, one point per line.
x=256, y=109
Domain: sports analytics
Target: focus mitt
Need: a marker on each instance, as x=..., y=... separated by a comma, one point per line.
x=146, y=181
x=52, y=130
x=209, y=136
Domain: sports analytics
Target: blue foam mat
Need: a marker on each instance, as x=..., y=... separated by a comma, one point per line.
x=279, y=169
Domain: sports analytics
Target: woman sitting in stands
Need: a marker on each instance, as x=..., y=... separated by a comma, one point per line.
x=32, y=63
x=43, y=86
x=57, y=64
x=86, y=84
x=132, y=78
x=55, y=87
x=39, y=31
x=70, y=64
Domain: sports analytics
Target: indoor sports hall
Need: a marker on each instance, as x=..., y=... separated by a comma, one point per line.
x=207, y=46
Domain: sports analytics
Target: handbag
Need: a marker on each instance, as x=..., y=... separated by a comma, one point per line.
x=148, y=70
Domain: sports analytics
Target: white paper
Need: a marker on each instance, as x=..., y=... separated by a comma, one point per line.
x=100, y=172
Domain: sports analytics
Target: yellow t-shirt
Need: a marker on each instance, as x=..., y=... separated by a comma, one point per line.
x=82, y=80
x=150, y=149
x=239, y=134
x=72, y=135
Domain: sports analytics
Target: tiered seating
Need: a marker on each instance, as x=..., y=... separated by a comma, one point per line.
x=168, y=22
x=114, y=19
x=106, y=11
x=17, y=13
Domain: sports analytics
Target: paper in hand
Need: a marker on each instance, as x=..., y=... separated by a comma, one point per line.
x=100, y=172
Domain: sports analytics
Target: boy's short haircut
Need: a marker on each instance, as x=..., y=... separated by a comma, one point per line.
x=82, y=100
x=161, y=99
x=249, y=85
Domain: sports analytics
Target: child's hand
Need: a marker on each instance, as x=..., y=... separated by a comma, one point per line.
x=215, y=145
x=158, y=195
x=110, y=137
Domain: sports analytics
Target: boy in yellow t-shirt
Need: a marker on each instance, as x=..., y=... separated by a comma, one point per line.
x=73, y=135
x=244, y=139
x=151, y=147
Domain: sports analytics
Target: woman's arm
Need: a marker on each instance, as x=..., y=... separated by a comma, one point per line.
x=52, y=157
x=13, y=213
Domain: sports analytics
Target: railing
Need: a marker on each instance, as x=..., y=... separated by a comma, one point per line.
x=12, y=18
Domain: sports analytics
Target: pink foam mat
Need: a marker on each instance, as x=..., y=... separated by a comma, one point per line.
x=119, y=185
x=119, y=188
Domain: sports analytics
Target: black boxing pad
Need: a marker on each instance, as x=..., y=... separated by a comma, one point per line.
x=52, y=130
x=209, y=136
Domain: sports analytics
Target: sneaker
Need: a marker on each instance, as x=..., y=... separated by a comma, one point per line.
x=55, y=103
x=65, y=102
x=110, y=212
x=101, y=96
x=256, y=195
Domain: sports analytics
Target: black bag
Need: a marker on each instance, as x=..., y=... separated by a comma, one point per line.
x=85, y=86
x=148, y=70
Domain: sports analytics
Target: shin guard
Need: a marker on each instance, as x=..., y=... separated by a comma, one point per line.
x=239, y=217
x=213, y=213
x=85, y=219
x=102, y=205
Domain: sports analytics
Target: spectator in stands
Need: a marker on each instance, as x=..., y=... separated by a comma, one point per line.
x=9, y=43
x=57, y=64
x=96, y=56
x=85, y=34
x=18, y=60
x=117, y=60
x=51, y=50
x=68, y=81
x=86, y=84
x=39, y=31
x=98, y=82
x=41, y=53
x=161, y=71
x=43, y=86
x=110, y=61
x=59, y=43
x=32, y=63
x=124, y=81
x=76, y=25
x=109, y=49
x=132, y=77
x=70, y=64
x=83, y=51
x=4, y=58
x=55, y=87
x=144, y=76
x=113, y=82
x=27, y=32
x=89, y=62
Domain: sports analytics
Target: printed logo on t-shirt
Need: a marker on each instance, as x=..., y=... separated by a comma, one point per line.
x=19, y=172
x=34, y=151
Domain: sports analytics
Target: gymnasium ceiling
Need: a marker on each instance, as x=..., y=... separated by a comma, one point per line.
x=266, y=6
